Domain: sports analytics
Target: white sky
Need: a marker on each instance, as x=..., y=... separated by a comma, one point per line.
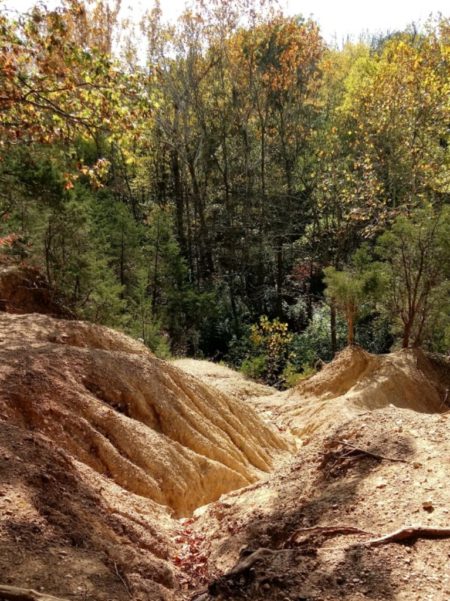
x=337, y=18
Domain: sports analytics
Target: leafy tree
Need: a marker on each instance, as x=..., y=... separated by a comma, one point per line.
x=184, y=199
x=354, y=288
x=313, y=345
x=74, y=87
x=271, y=342
x=396, y=118
x=416, y=256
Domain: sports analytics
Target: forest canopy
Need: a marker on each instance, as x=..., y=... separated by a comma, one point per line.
x=202, y=193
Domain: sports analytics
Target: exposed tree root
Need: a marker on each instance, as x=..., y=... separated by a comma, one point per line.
x=404, y=535
x=14, y=593
x=327, y=531
x=371, y=453
x=245, y=565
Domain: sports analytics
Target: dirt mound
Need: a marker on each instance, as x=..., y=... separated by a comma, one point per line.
x=25, y=290
x=308, y=532
x=224, y=378
x=357, y=381
x=101, y=443
x=115, y=407
x=337, y=377
x=34, y=330
x=264, y=399
x=66, y=530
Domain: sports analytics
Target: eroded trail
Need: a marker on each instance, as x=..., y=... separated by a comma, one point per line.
x=101, y=446
x=105, y=452
x=373, y=461
x=304, y=533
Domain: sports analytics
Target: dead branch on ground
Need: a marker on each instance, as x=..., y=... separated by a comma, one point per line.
x=371, y=453
x=15, y=593
x=411, y=534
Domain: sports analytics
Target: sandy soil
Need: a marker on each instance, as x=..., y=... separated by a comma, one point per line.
x=103, y=449
x=356, y=382
x=154, y=430
x=375, y=457
x=101, y=445
x=290, y=537
x=225, y=379
x=265, y=399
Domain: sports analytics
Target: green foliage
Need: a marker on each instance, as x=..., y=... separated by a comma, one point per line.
x=281, y=358
x=416, y=265
x=313, y=345
x=182, y=201
x=143, y=326
x=291, y=377
x=411, y=284
x=239, y=348
x=374, y=332
x=255, y=367
x=271, y=340
x=61, y=239
x=263, y=352
x=355, y=288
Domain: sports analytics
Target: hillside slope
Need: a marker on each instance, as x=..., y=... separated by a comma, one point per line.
x=101, y=444
x=115, y=407
x=356, y=382
x=305, y=533
x=103, y=448
x=374, y=460
x=68, y=531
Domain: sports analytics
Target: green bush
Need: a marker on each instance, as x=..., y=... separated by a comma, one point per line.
x=255, y=367
x=314, y=343
x=292, y=377
x=272, y=340
x=239, y=348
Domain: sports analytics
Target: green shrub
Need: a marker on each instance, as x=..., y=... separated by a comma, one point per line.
x=314, y=343
x=255, y=367
x=272, y=340
x=292, y=377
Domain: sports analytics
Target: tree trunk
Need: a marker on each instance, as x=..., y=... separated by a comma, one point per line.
x=156, y=268
x=406, y=334
x=351, y=327
x=206, y=260
x=234, y=310
x=122, y=259
x=263, y=161
x=309, y=296
x=333, y=328
x=279, y=279
x=179, y=205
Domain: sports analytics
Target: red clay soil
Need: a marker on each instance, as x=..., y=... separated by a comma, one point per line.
x=304, y=534
x=25, y=290
x=101, y=444
x=103, y=447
